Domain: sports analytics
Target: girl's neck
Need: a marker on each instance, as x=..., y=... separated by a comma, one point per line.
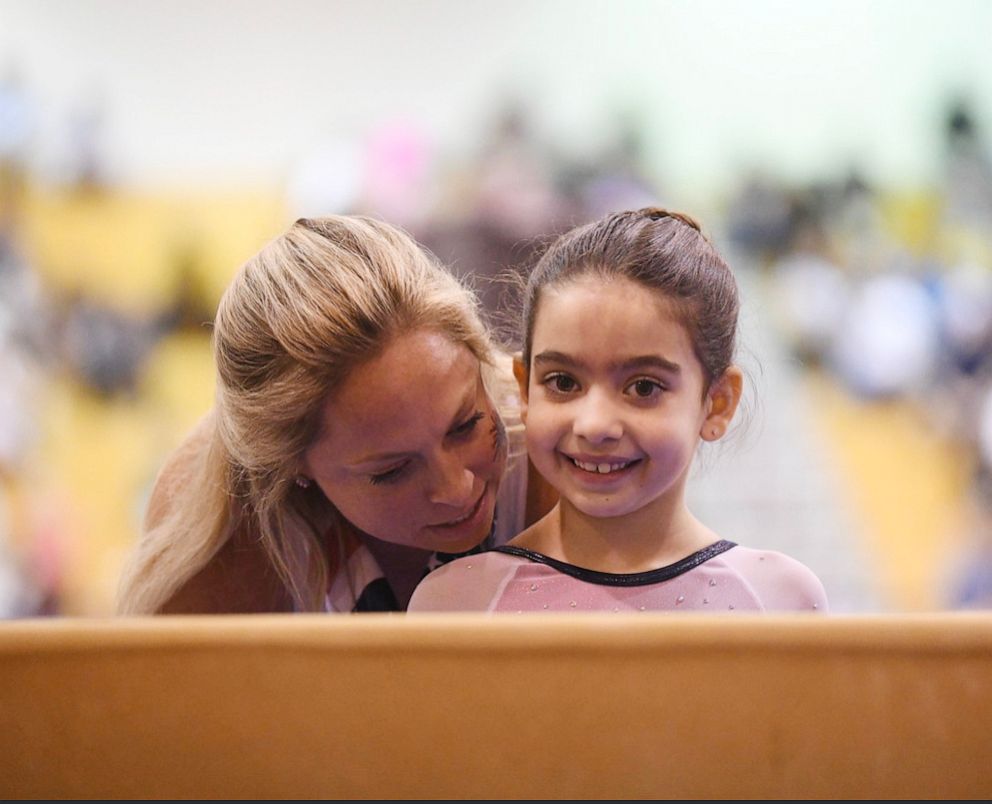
x=651, y=537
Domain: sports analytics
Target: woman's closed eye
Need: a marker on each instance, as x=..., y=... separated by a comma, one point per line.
x=467, y=426
x=389, y=475
x=394, y=473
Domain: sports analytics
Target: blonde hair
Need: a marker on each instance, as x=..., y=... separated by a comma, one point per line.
x=324, y=297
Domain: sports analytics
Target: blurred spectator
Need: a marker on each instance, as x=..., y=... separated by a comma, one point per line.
x=810, y=295
x=968, y=176
x=399, y=164
x=965, y=306
x=25, y=351
x=490, y=223
x=968, y=583
x=18, y=596
x=86, y=165
x=17, y=123
x=618, y=177
x=105, y=348
x=515, y=190
x=192, y=307
x=983, y=437
x=761, y=219
x=856, y=227
x=19, y=393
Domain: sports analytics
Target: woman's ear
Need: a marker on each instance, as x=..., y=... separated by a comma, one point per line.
x=721, y=401
x=520, y=372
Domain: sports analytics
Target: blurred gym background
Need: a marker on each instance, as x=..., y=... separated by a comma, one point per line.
x=838, y=152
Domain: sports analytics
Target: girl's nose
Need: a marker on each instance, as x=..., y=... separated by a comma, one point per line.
x=451, y=482
x=597, y=418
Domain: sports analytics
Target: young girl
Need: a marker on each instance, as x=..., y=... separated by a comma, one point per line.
x=630, y=324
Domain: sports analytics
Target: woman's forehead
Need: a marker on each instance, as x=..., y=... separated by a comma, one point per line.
x=411, y=392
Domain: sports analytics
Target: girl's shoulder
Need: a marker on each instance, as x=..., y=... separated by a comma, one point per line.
x=470, y=583
x=781, y=582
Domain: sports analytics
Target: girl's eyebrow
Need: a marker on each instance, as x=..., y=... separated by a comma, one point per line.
x=562, y=359
x=639, y=362
x=648, y=361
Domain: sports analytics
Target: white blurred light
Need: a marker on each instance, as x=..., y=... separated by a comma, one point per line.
x=888, y=342
x=966, y=307
x=812, y=295
x=327, y=180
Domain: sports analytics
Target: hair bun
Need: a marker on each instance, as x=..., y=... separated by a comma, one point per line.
x=657, y=213
x=654, y=213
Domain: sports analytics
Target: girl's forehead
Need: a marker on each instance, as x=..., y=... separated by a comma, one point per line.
x=619, y=314
x=600, y=278
x=592, y=285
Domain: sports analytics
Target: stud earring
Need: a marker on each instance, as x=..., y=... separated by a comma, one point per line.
x=303, y=482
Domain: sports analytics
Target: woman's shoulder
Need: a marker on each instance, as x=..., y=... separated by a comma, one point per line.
x=238, y=579
x=782, y=582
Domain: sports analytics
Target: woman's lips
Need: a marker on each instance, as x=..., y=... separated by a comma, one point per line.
x=467, y=516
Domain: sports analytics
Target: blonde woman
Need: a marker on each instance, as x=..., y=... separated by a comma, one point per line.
x=365, y=429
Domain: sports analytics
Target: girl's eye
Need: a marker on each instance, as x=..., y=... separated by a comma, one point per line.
x=645, y=388
x=468, y=425
x=560, y=383
x=388, y=476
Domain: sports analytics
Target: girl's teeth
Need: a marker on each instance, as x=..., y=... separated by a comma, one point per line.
x=601, y=468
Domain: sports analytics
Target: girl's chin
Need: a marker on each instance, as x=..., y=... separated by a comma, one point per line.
x=600, y=508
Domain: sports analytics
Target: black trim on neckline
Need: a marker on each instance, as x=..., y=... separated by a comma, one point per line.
x=622, y=579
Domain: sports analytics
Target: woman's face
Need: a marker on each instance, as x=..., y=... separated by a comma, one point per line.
x=411, y=449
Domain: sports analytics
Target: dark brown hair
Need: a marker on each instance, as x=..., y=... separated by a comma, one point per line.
x=664, y=251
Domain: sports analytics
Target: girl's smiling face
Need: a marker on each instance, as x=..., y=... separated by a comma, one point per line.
x=616, y=400
x=410, y=448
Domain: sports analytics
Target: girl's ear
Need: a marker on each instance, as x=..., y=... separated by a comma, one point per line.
x=721, y=401
x=520, y=372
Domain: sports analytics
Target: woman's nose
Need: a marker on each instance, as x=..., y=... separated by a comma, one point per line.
x=451, y=482
x=597, y=418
